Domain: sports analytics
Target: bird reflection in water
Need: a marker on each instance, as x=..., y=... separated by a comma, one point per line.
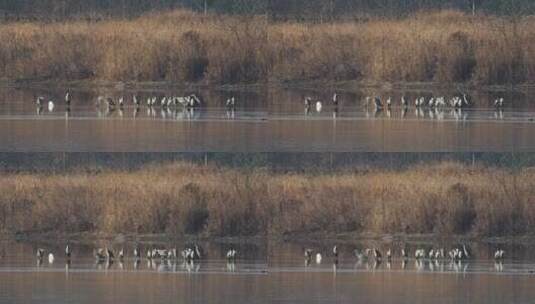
x=231, y=266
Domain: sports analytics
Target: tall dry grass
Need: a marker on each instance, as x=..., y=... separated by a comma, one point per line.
x=446, y=199
x=446, y=46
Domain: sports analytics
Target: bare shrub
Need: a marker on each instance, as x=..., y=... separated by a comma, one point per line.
x=447, y=46
x=182, y=198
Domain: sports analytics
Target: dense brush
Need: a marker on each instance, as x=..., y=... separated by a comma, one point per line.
x=444, y=46
x=182, y=198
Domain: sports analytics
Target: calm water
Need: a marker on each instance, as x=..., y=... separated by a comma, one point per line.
x=265, y=273
x=265, y=120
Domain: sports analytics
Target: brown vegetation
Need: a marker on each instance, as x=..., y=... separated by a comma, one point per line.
x=182, y=198
x=178, y=46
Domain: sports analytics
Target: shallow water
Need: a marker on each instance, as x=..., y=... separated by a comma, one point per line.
x=269, y=120
x=264, y=273
x=265, y=120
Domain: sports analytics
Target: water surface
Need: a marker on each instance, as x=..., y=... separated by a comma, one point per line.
x=265, y=120
x=265, y=273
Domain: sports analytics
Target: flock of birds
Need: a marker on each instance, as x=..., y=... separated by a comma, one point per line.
x=194, y=253
x=168, y=259
x=455, y=254
x=188, y=102
x=430, y=107
x=455, y=102
x=189, y=254
x=183, y=107
x=192, y=101
x=170, y=106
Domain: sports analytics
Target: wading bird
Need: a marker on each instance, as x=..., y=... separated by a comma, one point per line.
x=378, y=103
x=159, y=253
x=110, y=102
x=377, y=254
x=498, y=103
x=499, y=254
x=151, y=101
x=149, y=254
x=318, y=258
x=68, y=251
x=135, y=101
x=99, y=254
x=40, y=100
x=466, y=101
x=456, y=102
x=308, y=254
x=335, y=99
x=197, y=251
x=231, y=255
x=308, y=102
x=187, y=254
x=40, y=253
x=440, y=102
x=137, y=252
x=194, y=101
x=109, y=254
x=403, y=102
x=318, y=106
x=441, y=253
x=419, y=254
x=68, y=98
x=452, y=254
x=121, y=254
x=421, y=101
x=466, y=252
x=231, y=102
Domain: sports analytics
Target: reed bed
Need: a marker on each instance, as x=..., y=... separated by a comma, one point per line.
x=186, y=199
x=183, y=46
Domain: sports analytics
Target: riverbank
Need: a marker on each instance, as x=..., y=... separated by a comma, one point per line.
x=186, y=199
x=185, y=47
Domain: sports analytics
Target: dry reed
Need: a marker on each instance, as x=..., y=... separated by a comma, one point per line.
x=182, y=198
x=178, y=46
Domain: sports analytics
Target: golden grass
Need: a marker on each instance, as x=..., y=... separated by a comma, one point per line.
x=445, y=46
x=182, y=198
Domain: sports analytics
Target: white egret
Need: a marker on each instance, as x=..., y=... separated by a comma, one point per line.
x=318, y=106
x=318, y=258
